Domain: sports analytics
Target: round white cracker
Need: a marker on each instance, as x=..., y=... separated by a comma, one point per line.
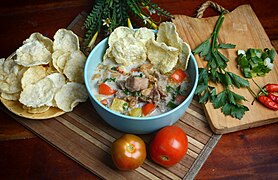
x=118, y=33
x=10, y=75
x=144, y=34
x=58, y=79
x=32, y=53
x=128, y=51
x=70, y=95
x=59, y=59
x=65, y=40
x=74, y=67
x=48, y=43
x=184, y=56
x=32, y=75
x=163, y=57
x=168, y=34
x=38, y=94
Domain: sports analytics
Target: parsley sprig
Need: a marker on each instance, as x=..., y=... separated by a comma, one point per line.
x=215, y=71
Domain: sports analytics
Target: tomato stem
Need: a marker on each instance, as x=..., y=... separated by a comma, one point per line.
x=130, y=148
x=165, y=158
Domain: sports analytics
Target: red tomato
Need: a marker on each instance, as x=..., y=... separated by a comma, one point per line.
x=169, y=146
x=148, y=108
x=178, y=76
x=128, y=152
x=105, y=89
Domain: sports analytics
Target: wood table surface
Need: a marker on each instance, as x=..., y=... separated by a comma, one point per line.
x=248, y=154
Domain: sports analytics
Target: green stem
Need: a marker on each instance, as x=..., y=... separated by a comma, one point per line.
x=215, y=33
x=252, y=92
x=138, y=9
x=216, y=30
x=261, y=89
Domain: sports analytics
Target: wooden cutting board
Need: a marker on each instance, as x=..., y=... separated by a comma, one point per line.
x=242, y=28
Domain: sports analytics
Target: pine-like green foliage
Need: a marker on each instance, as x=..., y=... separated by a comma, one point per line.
x=119, y=15
x=110, y=14
x=92, y=23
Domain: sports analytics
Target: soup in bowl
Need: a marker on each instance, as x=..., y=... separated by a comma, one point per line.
x=141, y=96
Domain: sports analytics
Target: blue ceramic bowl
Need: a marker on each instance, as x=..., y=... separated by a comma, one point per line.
x=135, y=125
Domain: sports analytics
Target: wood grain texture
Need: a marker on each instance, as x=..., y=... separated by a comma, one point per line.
x=242, y=28
x=33, y=158
x=84, y=128
x=12, y=130
x=244, y=148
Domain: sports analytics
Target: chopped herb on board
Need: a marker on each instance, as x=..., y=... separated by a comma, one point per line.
x=215, y=71
x=255, y=62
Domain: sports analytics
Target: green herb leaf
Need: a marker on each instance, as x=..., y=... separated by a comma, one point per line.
x=223, y=57
x=201, y=88
x=214, y=76
x=220, y=100
x=228, y=79
x=203, y=75
x=127, y=92
x=221, y=62
x=212, y=93
x=238, y=111
x=136, y=93
x=222, y=79
x=171, y=105
x=205, y=97
x=115, y=13
x=125, y=106
x=208, y=56
x=110, y=80
x=203, y=49
x=215, y=72
x=238, y=81
x=271, y=54
x=234, y=98
x=227, y=109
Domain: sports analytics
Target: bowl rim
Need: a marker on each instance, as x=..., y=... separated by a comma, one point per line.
x=104, y=42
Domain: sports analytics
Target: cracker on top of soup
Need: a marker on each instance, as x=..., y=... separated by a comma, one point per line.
x=143, y=73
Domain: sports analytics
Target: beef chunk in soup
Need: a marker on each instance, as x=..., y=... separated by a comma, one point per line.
x=162, y=80
x=136, y=83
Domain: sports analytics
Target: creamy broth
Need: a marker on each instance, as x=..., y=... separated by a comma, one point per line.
x=111, y=76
